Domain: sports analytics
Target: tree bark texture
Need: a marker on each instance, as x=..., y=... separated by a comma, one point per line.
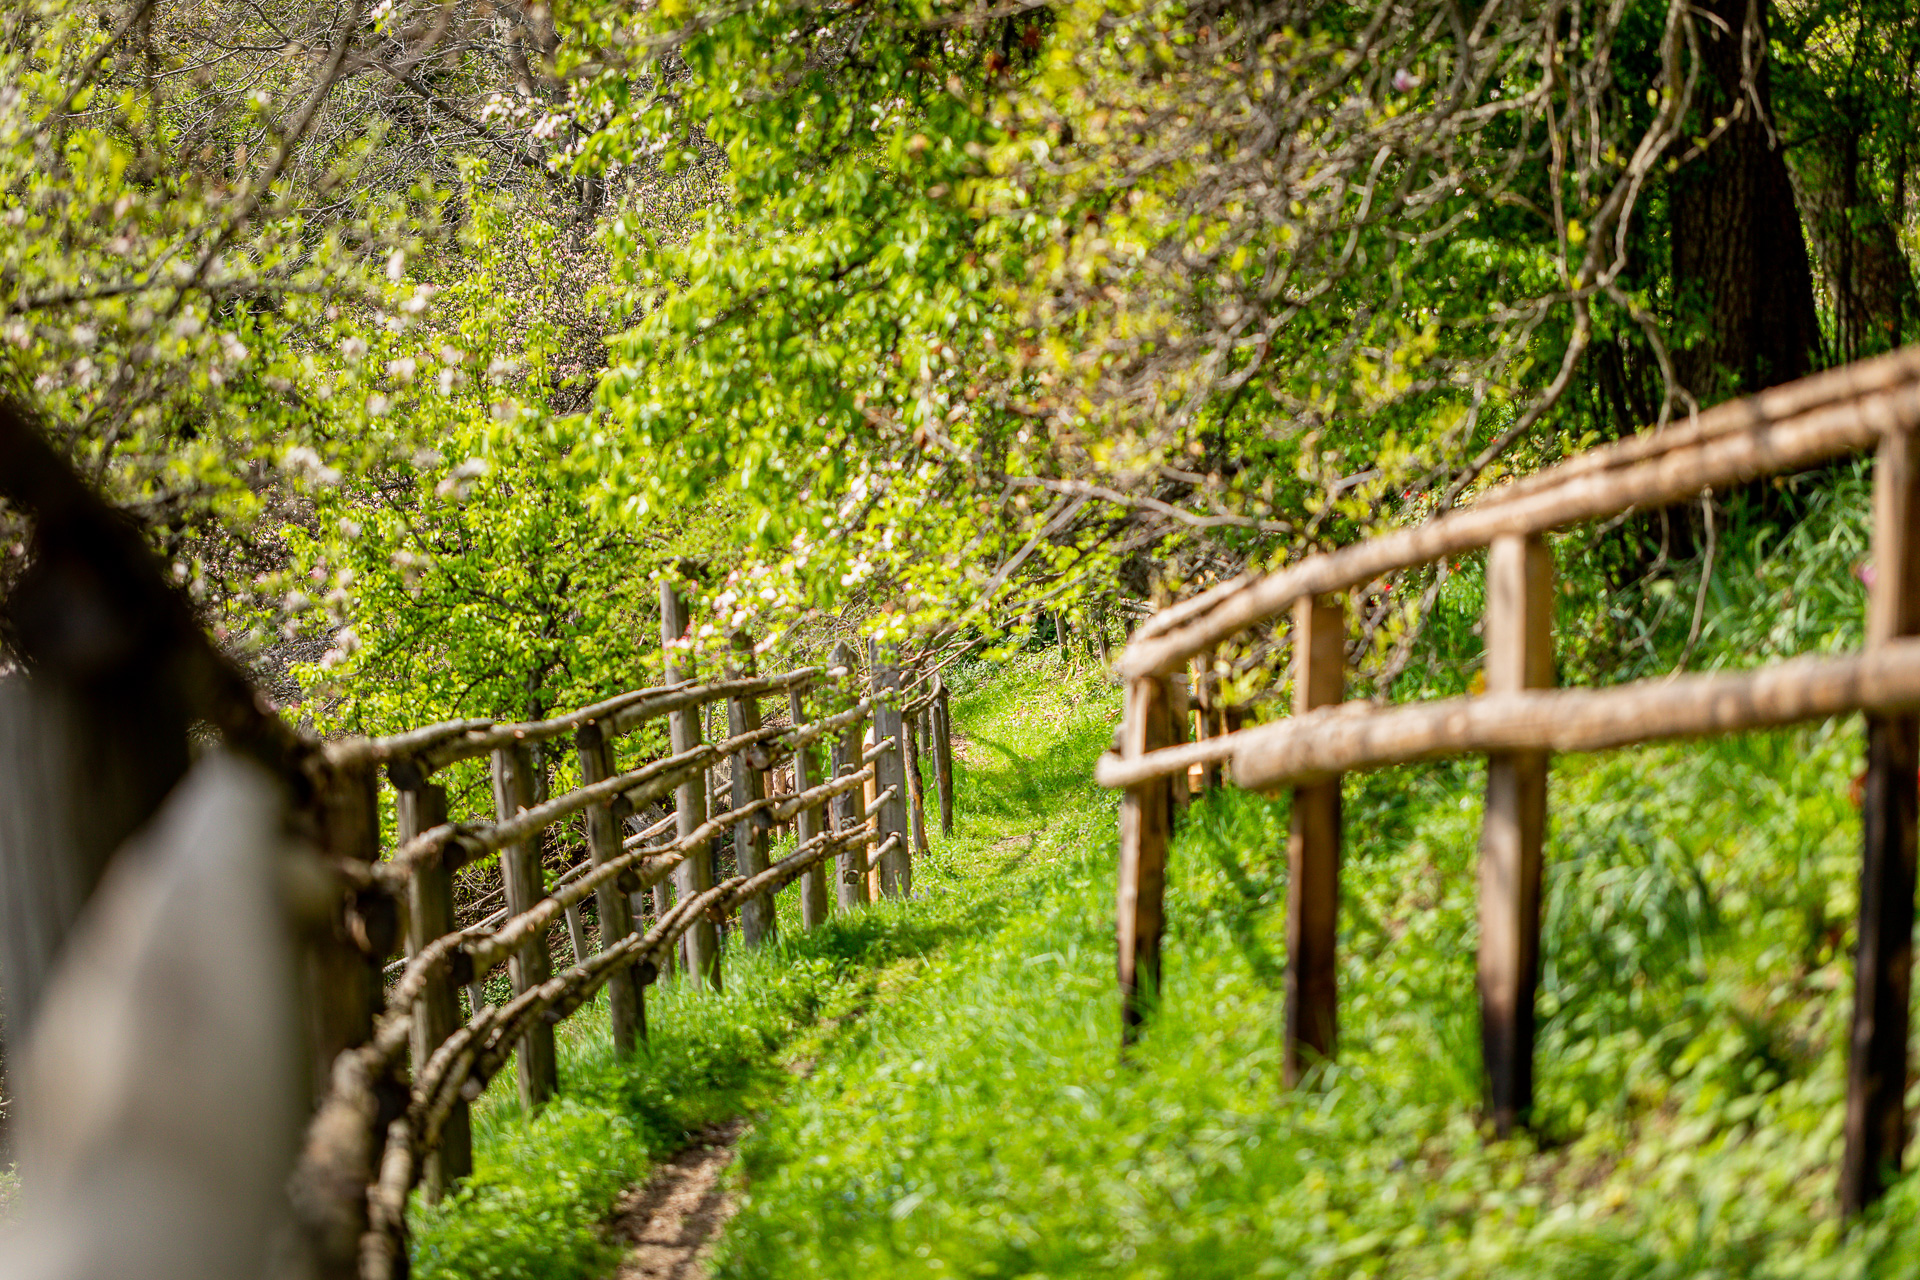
x=1868, y=279
x=1739, y=257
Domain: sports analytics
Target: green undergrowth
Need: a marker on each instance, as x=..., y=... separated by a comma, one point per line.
x=966, y=1112
x=1694, y=999
x=1693, y=1002
x=543, y=1190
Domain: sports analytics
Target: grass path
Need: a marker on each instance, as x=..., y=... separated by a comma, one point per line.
x=667, y=1225
x=670, y=1224
x=546, y=1198
x=960, y=1109
x=1698, y=913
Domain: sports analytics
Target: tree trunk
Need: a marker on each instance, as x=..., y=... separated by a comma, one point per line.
x=1858, y=245
x=1739, y=256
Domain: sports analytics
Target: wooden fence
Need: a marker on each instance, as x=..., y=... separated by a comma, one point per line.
x=1520, y=720
x=402, y=1058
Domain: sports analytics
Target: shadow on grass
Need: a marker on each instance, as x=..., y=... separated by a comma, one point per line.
x=1029, y=786
x=543, y=1187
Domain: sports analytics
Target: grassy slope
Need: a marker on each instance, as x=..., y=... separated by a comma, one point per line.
x=542, y=1190
x=974, y=1120
x=1690, y=1065
x=1694, y=1000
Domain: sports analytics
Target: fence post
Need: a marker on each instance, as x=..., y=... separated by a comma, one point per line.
x=896, y=865
x=1313, y=848
x=436, y=1014
x=525, y=883
x=916, y=787
x=929, y=731
x=711, y=805
x=342, y=982
x=649, y=905
x=344, y=979
x=577, y=934
x=943, y=754
x=1519, y=655
x=1179, y=723
x=1876, y=1124
x=815, y=905
x=626, y=1008
x=750, y=835
x=1146, y=824
x=1204, y=686
x=845, y=759
x=694, y=875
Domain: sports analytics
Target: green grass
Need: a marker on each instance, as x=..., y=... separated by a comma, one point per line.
x=542, y=1190
x=1695, y=992
x=967, y=1113
x=1694, y=1000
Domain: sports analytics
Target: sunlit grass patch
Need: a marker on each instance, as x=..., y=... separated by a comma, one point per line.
x=1693, y=1002
x=542, y=1190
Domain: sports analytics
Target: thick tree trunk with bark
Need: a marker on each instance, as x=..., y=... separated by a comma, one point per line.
x=1739, y=256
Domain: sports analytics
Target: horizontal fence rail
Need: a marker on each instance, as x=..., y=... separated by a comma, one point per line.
x=1521, y=720
x=402, y=1058
x=1764, y=436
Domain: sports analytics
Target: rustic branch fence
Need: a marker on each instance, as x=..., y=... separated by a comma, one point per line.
x=1520, y=720
x=402, y=1060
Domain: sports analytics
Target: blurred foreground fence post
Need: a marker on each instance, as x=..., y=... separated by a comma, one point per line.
x=1876, y=1124
x=1313, y=848
x=1518, y=631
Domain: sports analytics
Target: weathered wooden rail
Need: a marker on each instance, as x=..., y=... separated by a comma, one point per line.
x=1520, y=720
x=402, y=1059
